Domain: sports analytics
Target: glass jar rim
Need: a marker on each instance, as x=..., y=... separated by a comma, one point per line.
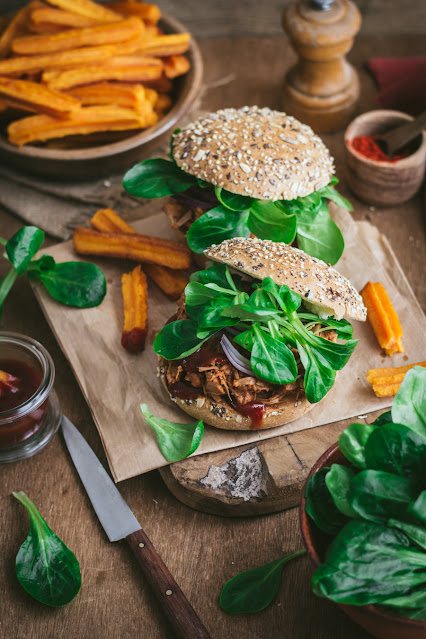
x=44, y=358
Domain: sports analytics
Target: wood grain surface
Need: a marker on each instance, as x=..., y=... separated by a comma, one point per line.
x=201, y=551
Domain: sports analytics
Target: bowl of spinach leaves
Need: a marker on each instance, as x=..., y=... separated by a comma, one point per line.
x=363, y=518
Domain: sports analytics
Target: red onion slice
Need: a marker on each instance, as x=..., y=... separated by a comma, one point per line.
x=235, y=357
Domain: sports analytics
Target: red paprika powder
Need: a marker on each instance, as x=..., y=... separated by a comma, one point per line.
x=366, y=145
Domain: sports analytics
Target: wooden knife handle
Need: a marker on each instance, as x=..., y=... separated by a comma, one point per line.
x=176, y=606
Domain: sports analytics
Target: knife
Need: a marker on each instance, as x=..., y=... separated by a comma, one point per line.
x=119, y=522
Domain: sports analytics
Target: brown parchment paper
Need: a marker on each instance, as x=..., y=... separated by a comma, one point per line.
x=114, y=382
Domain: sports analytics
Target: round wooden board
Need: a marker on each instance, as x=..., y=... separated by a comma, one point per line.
x=253, y=479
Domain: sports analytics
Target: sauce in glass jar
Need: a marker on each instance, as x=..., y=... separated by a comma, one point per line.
x=29, y=409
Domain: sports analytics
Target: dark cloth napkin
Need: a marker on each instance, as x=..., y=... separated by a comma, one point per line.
x=402, y=83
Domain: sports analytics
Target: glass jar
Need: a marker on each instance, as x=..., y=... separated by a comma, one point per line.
x=30, y=412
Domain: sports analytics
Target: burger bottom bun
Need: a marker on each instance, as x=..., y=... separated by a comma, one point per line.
x=221, y=415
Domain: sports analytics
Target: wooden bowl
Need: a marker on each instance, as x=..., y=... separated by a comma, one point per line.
x=126, y=149
x=383, y=183
x=380, y=624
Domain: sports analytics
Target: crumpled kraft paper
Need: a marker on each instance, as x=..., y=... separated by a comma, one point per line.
x=115, y=382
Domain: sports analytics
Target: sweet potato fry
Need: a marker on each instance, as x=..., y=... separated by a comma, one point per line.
x=161, y=84
x=165, y=45
x=84, y=121
x=37, y=98
x=132, y=246
x=149, y=13
x=135, y=306
x=87, y=8
x=109, y=220
x=163, y=103
x=129, y=96
x=75, y=38
x=61, y=18
x=172, y=283
x=76, y=77
x=386, y=381
x=383, y=318
x=175, y=65
x=72, y=58
x=15, y=27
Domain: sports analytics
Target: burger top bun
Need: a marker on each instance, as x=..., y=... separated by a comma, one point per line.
x=322, y=288
x=261, y=153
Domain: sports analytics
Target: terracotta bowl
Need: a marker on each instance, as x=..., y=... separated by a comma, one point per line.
x=379, y=623
x=125, y=148
x=383, y=183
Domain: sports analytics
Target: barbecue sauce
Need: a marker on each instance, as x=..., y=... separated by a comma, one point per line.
x=26, y=385
x=254, y=410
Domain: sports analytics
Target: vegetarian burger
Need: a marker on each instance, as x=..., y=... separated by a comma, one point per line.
x=241, y=171
x=259, y=336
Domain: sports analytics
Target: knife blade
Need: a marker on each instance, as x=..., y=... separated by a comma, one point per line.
x=119, y=522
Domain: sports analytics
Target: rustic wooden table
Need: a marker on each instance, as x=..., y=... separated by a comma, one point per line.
x=202, y=551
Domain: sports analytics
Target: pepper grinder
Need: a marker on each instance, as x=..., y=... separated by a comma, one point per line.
x=322, y=88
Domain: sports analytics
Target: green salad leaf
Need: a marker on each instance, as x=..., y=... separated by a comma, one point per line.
x=378, y=556
x=46, y=568
x=265, y=322
x=253, y=590
x=176, y=441
x=409, y=405
x=79, y=284
x=305, y=219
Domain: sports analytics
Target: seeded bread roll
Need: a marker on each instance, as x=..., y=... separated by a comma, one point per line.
x=322, y=288
x=218, y=413
x=254, y=151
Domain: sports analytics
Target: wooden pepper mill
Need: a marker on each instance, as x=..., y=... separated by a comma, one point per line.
x=322, y=88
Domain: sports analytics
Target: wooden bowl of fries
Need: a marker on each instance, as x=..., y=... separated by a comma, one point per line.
x=74, y=154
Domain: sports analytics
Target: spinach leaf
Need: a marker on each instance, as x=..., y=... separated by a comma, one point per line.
x=233, y=201
x=5, y=285
x=409, y=404
x=368, y=563
x=397, y=449
x=210, y=316
x=330, y=193
x=176, y=441
x=177, y=340
x=22, y=247
x=352, y=443
x=384, y=418
x=216, y=225
x=338, y=481
x=378, y=495
x=268, y=223
x=253, y=590
x=412, y=605
x=365, y=550
x=319, y=235
x=342, y=327
x=79, y=284
x=45, y=567
x=418, y=507
x=287, y=299
x=320, y=505
x=319, y=377
x=197, y=294
x=271, y=359
x=415, y=533
x=157, y=178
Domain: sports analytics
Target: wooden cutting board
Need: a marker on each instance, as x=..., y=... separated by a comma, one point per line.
x=253, y=479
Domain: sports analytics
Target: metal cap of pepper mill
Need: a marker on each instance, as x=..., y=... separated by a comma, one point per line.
x=322, y=88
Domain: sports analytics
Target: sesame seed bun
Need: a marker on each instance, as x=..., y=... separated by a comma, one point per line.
x=254, y=151
x=220, y=414
x=321, y=287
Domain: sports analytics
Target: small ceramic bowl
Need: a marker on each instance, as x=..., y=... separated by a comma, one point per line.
x=379, y=623
x=118, y=155
x=383, y=183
